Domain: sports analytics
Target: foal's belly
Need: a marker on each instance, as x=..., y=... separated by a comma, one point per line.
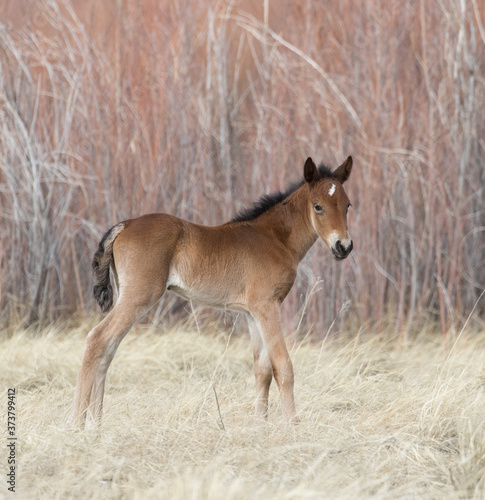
x=209, y=292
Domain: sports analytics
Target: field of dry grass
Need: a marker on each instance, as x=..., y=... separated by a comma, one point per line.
x=377, y=420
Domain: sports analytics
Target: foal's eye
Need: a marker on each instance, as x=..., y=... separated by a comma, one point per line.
x=318, y=209
x=348, y=206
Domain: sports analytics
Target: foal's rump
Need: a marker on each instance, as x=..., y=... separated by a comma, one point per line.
x=143, y=251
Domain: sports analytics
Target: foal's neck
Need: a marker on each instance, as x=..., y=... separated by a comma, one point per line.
x=290, y=223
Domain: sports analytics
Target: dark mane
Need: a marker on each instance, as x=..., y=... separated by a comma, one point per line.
x=270, y=200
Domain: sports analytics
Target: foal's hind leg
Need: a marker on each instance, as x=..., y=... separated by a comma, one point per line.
x=101, y=345
x=262, y=370
x=268, y=319
x=105, y=347
x=85, y=378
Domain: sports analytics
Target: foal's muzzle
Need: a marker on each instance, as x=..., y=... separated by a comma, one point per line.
x=340, y=251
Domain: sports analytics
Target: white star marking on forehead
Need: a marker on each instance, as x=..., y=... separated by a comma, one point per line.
x=331, y=190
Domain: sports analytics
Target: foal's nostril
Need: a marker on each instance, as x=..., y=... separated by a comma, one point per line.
x=343, y=251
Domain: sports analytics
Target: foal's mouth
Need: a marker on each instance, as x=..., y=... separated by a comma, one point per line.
x=336, y=256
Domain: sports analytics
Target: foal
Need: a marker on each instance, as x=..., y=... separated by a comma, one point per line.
x=248, y=264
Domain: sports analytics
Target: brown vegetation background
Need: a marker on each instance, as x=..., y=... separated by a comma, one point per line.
x=113, y=109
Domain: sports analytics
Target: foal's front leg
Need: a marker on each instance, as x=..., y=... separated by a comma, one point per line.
x=267, y=317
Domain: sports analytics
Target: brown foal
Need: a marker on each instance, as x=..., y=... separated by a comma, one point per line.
x=248, y=264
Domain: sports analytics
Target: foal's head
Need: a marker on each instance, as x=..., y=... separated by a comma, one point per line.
x=328, y=205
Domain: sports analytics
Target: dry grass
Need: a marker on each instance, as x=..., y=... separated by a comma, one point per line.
x=377, y=421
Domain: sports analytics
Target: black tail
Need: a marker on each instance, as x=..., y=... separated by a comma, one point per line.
x=102, y=260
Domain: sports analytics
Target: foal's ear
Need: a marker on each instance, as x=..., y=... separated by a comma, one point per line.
x=343, y=172
x=310, y=171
